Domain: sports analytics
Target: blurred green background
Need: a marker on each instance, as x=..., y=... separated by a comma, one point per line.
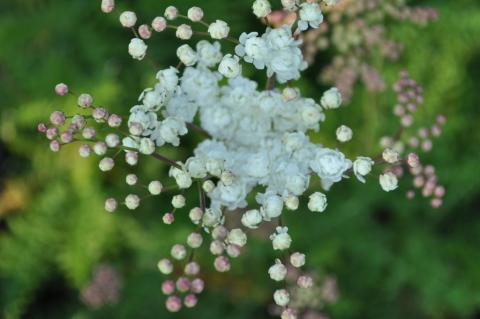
x=392, y=258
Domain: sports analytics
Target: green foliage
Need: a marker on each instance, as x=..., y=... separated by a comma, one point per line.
x=393, y=258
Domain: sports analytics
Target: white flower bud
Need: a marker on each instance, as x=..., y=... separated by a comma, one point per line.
x=194, y=240
x=196, y=167
x=84, y=151
x=85, y=100
x=147, y=146
x=182, y=178
x=155, y=187
x=159, y=24
x=106, y=164
x=281, y=297
x=219, y=30
x=217, y=247
x=305, y=282
x=230, y=66
x=111, y=205
x=178, y=201
x=178, y=252
x=165, y=266
x=390, y=156
x=214, y=167
x=208, y=186
x=128, y=19
x=317, y=202
x=281, y=240
x=227, y=178
x=112, y=140
x=195, y=14
x=171, y=13
x=187, y=55
x=137, y=48
x=277, y=272
x=212, y=217
x=100, y=148
x=388, y=181
x=131, y=158
x=292, y=202
x=261, y=8
x=195, y=215
x=219, y=233
x=290, y=94
x=237, y=237
x=272, y=207
x=132, y=201
x=131, y=179
x=297, y=260
x=108, y=6
x=344, y=134
x=289, y=4
x=362, y=167
x=233, y=251
x=331, y=99
x=184, y=32
x=251, y=218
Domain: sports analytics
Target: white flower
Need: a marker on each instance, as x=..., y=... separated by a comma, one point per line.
x=147, y=146
x=390, y=156
x=187, y=55
x=281, y=240
x=253, y=49
x=252, y=218
x=128, y=19
x=291, y=202
x=232, y=196
x=310, y=14
x=261, y=8
x=281, y=297
x=212, y=217
x=171, y=128
x=209, y=54
x=331, y=99
x=317, y=202
x=277, y=272
x=272, y=206
x=196, y=167
x=195, y=14
x=230, y=66
x=184, y=32
x=286, y=64
x=154, y=99
x=181, y=107
x=182, y=178
x=137, y=48
x=362, y=167
x=168, y=78
x=219, y=30
x=344, y=133
x=289, y=4
x=143, y=116
x=237, y=237
x=330, y=165
x=388, y=181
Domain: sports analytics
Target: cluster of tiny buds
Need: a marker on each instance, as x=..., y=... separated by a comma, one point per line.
x=410, y=96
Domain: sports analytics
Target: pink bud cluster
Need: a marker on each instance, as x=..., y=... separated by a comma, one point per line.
x=409, y=97
x=104, y=288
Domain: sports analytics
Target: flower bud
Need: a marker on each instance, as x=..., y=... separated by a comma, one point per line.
x=114, y=121
x=89, y=133
x=413, y=160
x=187, y=55
x=281, y=297
x=237, y=237
x=388, y=182
x=197, y=286
x=390, y=156
x=220, y=233
x=42, y=128
x=106, y=164
x=195, y=14
x=289, y=94
x=251, y=218
x=144, y=32
x=132, y=201
x=184, y=32
x=194, y=240
x=344, y=134
x=111, y=205
x=178, y=201
x=128, y=19
x=168, y=287
x=57, y=118
x=85, y=100
x=79, y=122
x=137, y=48
x=61, y=89
x=331, y=99
x=233, y=250
x=171, y=13
x=100, y=115
x=317, y=202
x=173, y=304
x=131, y=158
x=190, y=301
x=305, y=282
x=112, y=140
x=281, y=240
x=297, y=260
x=51, y=133
x=55, y=146
x=84, y=151
x=155, y=187
x=168, y=218
x=219, y=30
x=222, y=264
x=159, y=24
x=192, y=269
x=165, y=266
x=277, y=272
x=217, y=247
x=289, y=313
x=178, y=252
x=208, y=186
x=147, y=146
x=196, y=215
x=183, y=284
x=66, y=137
x=100, y=148
x=291, y=202
x=108, y=6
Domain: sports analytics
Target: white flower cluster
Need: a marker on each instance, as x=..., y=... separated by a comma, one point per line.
x=276, y=49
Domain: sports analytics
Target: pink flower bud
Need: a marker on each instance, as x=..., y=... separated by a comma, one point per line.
x=233, y=250
x=165, y=266
x=89, y=133
x=436, y=130
x=55, y=146
x=413, y=160
x=195, y=14
x=61, y=89
x=399, y=110
x=196, y=215
x=219, y=232
x=429, y=170
x=423, y=132
x=289, y=313
x=217, y=247
x=413, y=141
x=441, y=119
x=410, y=194
x=183, y=284
x=197, y=286
x=168, y=287
x=128, y=19
x=114, y=120
x=436, y=202
x=427, y=145
x=100, y=115
x=178, y=252
x=305, y=281
x=173, y=304
x=168, y=218
x=144, y=31
x=79, y=122
x=439, y=191
x=222, y=264
x=190, y=301
x=135, y=128
x=418, y=181
x=52, y=133
x=57, y=118
x=66, y=137
x=42, y=128
x=159, y=24
x=194, y=240
x=111, y=205
x=171, y=13
x=407, y=120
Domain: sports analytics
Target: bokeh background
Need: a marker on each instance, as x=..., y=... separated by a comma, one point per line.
x=391, y=258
